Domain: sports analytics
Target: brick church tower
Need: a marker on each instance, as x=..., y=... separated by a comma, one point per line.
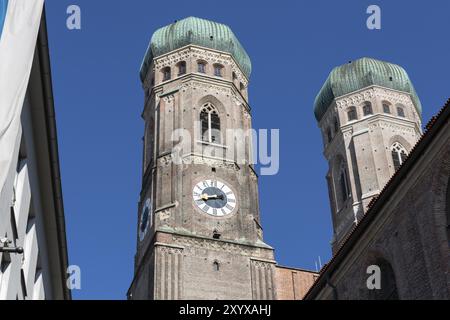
x=199, y=234
x=370, y=118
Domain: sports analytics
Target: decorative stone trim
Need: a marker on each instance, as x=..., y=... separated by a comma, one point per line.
x=213, y=245
x=199, y=53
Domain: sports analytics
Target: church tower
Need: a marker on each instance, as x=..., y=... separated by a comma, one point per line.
x=199, y=233
x=370, y=118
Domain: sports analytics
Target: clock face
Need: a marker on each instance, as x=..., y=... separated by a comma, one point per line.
x=214, y=198
x=146, y=218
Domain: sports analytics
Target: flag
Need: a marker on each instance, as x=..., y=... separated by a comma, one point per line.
x=19, y=26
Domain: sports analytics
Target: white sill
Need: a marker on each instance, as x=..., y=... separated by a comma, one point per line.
x=212, y=144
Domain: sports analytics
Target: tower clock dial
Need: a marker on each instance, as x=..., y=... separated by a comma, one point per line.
x=214, y=198
x=146, y=218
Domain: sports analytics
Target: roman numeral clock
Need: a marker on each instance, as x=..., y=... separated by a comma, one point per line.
x=214, y=197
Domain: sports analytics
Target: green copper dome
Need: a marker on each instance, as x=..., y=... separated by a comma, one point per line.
x=199, y=32
x=360, y=74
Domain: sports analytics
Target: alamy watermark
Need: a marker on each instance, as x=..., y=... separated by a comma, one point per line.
x=374, y=20
x=374, y=280
x=73, y=281
x=73, y=21
x=243, y=147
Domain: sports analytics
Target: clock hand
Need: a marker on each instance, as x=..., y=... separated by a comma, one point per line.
x=206, y=197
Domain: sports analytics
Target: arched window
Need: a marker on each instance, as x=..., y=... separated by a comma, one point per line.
x=201, y=66
x=210, y=123
x=388, y=289
x=241, y=86
x=166, y=73
x=386, y=108
x=216, y=265
x=234, y=76
x=401, y=111
x=367, y=109
x=351, y=114
x=343, y=182
x=336, y=125
x=218, y=70
x=399, y=155
x=329, y=135
x=448, y=211
x=181, y=68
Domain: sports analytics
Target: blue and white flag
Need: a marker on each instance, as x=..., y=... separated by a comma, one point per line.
x=19, y=26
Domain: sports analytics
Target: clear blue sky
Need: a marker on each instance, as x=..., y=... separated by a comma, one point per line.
x=293, y=46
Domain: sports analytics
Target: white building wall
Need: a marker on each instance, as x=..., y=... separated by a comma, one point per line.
x=24, y=275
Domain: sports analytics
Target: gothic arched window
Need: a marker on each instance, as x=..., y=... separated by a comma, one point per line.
x=399, y=155
x=386, y=108
x=201, y=66
x=166, y=73
x=210, y=123
x=367, y=109
x=351, y=114
x=343, y=182
x=181, y=68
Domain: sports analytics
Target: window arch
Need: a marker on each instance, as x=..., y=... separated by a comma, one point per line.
x=367, y=109
x=399, y=155
x=386, y=107
x=329, y=135
x=351, y=114
x=343, y=183
x=234, y=76
x=401, y=111
x=181, y=68
x=210, y=123
x=201, y=66
x=388, y=290
x=166, y=72
x=218, y=70
x=336, y=125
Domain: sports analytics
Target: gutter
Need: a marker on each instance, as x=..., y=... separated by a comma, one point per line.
x=45, y=70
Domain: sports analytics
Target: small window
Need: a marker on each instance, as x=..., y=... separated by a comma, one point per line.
x=401, y=112
x=234, y=76
x=241, y=86
x=201, y=67
x=181, y=68
x=367, y=109
x=218, y=70
x=448, y=211
x=343, y=181
x=386, y=108
x=216, y=265
x=399, y=155
x=329, y=135
x=336, y=125
x=166, y=73
x=351, y=113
